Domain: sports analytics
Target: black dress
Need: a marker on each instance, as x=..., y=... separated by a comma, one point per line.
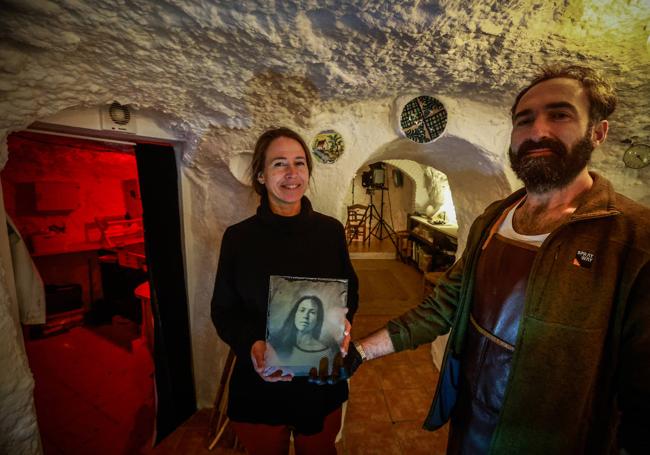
x=309, y=244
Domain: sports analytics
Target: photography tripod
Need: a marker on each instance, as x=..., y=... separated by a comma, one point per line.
x=381, y=229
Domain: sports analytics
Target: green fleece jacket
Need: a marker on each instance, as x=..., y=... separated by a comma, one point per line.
x=580, y=376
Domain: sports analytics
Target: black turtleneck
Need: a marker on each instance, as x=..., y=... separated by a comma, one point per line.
x=309, y=244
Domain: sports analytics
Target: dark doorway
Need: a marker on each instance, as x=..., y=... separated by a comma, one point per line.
x=77, y=203
x=172, y=347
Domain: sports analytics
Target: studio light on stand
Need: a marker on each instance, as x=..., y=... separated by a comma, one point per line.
x=373, y=180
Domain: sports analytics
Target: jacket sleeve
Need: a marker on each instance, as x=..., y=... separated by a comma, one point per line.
x=433, y=317
x=227, y=310
x=634, y=378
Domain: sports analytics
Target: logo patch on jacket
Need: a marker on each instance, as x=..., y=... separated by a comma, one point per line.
x=583, y=259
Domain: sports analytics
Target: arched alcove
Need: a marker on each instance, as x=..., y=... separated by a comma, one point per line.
x=475, y=178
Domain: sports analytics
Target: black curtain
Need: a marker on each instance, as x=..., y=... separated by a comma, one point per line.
x=158, y=176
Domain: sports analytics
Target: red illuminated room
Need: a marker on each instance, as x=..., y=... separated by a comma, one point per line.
x=76, y=204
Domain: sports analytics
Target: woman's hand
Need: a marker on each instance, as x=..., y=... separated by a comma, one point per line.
x=346, y=338
x=270, y=374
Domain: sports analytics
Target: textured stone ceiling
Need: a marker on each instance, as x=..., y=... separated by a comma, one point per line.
x=238, y=64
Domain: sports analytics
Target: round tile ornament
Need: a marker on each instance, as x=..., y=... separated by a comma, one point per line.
x=423, y=119
x=328, y=146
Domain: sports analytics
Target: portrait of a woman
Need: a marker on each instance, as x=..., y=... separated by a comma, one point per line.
x=299, y=338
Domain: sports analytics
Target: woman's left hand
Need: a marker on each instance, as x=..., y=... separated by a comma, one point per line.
x=346, y=338
x=269, y=374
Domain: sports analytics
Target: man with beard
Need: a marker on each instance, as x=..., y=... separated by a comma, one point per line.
x=549, y=305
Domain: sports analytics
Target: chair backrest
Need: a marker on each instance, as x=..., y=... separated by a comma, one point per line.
x=356, y=212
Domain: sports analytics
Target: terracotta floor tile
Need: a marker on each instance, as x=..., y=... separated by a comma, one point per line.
x=421, y=355
x=371, y=438
x=393, y=307
x=392, y=360
x=366, y=378
x=426, y=375
x=400, y=376
x=408, y=404
x=193, y=441
x=414, y=440
x=365, y=324
x=369, y=406
x=167, y=445
x=199, y=420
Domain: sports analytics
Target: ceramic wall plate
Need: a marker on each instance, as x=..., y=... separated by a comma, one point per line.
x=328, y=146
x=423, y=119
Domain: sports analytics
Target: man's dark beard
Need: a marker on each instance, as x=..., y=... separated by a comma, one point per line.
x=544, y=173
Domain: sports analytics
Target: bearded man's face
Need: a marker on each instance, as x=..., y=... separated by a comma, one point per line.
x=542, y=173
x=552, y=136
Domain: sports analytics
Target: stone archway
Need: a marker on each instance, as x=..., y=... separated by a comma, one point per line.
x=476, y=179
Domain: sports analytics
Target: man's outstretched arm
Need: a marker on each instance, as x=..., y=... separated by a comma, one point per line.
x=375, y=345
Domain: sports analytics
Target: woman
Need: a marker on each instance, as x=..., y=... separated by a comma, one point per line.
x=299, y=338
x=284, y=238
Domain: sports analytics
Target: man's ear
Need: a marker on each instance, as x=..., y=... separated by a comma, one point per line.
x=599, y=132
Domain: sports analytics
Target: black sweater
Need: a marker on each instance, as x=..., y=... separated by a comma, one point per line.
x=309, y=244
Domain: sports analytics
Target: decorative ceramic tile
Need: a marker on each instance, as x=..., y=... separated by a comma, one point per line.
x=423, y=119
x=328, y=146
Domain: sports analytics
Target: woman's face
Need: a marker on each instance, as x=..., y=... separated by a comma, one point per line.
x=285, y=175
x=306, y=315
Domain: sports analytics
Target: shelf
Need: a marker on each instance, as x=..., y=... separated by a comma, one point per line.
x=435, y=236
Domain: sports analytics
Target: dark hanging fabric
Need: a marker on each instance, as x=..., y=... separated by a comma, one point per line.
x=158, y=176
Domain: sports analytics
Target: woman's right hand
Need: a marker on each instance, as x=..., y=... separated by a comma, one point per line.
x=270, y=374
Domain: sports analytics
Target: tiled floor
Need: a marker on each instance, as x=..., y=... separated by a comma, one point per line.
x=390, y=397
x=101, y=382
x=93, y=389
x=374, y=245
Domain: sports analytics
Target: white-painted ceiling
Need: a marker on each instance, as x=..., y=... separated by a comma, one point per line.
x=246, y=63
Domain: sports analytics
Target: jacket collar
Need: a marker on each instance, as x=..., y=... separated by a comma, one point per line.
x=598, y=201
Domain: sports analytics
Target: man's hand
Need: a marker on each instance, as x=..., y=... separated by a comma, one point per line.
x=351, y=362
x=270, y=374
x=342, y=368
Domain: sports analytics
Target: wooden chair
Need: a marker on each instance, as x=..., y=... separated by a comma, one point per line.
x=357, y=222
x=218, y=420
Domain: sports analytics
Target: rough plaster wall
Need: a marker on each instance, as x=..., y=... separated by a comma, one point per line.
x=18, y=427
x=221, y=72
x=416, y=172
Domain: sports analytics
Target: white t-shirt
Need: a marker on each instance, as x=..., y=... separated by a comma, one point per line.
x=506, y=230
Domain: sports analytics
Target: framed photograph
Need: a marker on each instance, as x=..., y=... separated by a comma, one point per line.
x=305, y=323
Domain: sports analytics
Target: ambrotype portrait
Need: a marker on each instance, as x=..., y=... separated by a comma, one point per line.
x=306, y=320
